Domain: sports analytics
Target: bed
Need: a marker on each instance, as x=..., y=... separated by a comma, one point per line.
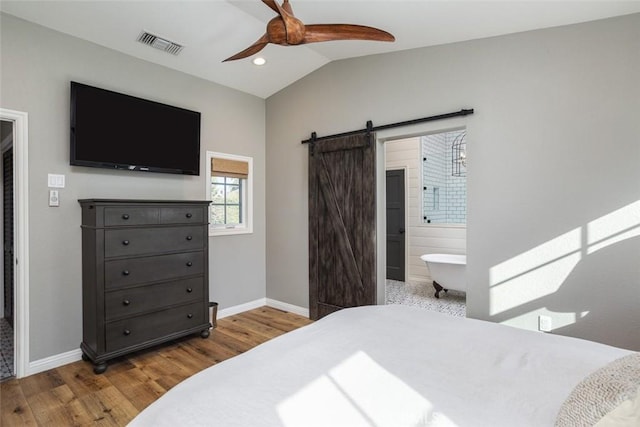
x=393, y=366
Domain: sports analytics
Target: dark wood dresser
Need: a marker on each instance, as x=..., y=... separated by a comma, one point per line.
x=144, y=275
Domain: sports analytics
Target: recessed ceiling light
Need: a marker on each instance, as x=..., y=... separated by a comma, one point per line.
x=259, y=61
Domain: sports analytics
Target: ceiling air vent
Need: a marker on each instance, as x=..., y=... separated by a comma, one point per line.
x=159, y=43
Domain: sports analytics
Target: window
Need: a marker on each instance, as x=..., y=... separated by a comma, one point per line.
x=230, y=188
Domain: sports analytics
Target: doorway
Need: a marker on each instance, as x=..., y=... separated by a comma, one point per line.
x=396, y=258
x=425, y=231
x=7, y=308
x=18, y=122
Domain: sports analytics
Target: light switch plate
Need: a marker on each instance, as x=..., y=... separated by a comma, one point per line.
x=55, y=180
x=545, y=323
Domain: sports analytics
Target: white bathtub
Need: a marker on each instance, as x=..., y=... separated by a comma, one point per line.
x=447, y=271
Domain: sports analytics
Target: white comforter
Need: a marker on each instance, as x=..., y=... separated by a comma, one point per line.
x=387, y=366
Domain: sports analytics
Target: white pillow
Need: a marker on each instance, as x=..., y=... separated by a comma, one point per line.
x=601, y=392
x=627, y=414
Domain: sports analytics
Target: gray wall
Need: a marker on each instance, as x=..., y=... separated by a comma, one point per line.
x=37, y=65
x=553, y=156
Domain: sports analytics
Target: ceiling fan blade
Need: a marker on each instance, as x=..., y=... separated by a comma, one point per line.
x=328, y=32
x=287, y=6
x=253, y=49
x=272, y=5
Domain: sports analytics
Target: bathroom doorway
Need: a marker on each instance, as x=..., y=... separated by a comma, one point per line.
x=7, y=307
x=434, y=162
x=16, y=266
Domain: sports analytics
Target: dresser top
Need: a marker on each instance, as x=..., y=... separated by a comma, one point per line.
x=141, y=201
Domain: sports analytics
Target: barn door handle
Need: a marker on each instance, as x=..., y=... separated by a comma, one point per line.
x=401, y=231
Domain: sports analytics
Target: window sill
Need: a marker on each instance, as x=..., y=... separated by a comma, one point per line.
x=229, y=231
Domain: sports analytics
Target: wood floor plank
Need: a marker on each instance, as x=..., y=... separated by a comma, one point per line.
x=137, y=387
x=14, y=406
x=109, y=407
x=218, y=348
x=228, y=327
x=59, y=407
x=257, y=327
x=73, y=395
x=80, y=378
x=187, y=360
x=163, y=371
x=270, y=317
x=117, y=366
x=224, y=339
x=38, y=383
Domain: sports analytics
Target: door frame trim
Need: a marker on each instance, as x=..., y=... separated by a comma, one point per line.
x=21, y=239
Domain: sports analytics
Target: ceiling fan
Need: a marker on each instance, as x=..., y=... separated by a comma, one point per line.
x=286, y=30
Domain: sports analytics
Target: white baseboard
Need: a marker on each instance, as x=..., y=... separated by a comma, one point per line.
x=58, y=360
x=230, y=311
x=288, y=307
x=53, y=362
x=236, y=309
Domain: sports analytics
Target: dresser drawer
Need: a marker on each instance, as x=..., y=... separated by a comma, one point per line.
x=123, y=215
x=137, y=330
x=182, y=215
x=119, y=273
x=140, y=241
x=127, y=302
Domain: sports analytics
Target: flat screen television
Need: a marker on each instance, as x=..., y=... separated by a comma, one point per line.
x=116, y=131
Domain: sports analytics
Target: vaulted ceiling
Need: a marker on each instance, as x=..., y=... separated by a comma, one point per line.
x=212, y=30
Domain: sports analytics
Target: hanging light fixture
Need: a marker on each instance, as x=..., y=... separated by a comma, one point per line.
x=459, y=155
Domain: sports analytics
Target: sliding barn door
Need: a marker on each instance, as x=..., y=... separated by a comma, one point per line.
x=342, y=224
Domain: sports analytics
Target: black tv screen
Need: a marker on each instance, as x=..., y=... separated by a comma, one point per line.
x=117, y=131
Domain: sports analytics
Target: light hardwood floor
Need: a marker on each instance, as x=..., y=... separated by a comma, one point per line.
x=72, y=395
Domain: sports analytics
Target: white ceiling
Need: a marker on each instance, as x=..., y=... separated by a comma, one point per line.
x=212, y=30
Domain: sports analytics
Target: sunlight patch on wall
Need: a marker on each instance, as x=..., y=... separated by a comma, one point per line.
x=542, y=270
x=358, y=392
x=535, y=273
x=614, y=227
x=560, y=319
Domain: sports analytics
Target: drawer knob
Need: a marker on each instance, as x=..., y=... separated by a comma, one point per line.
x=126, y=332
x=188, y=215
x=125, y=273
x=125, y=216
x=189, y=316
x=126, y=302
x=125, y=242
x=189, y=263
x=189, y=237
x=189, y=290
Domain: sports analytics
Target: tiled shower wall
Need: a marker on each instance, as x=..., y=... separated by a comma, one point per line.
x=444, y=195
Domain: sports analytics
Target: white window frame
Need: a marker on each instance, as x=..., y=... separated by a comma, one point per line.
x=246, y=227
